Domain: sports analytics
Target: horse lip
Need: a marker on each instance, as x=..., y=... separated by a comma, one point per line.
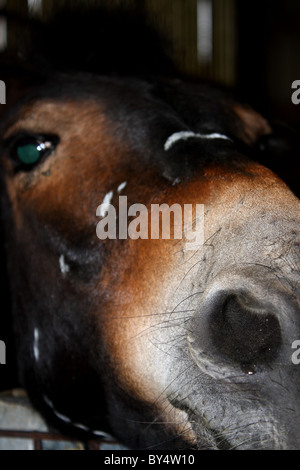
x=195, y=419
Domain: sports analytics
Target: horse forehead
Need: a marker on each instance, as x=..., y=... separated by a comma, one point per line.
x=131, y=102
x=49, y=114
x=113, y=119
x=131, y=116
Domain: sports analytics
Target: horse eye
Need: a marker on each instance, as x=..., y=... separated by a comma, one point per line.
x=27, y=151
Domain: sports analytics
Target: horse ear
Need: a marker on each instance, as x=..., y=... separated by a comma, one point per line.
x=275, y=145
x=253, y=124
x=279, y=151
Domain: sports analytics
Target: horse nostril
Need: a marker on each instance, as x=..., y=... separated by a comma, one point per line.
x=245, y=332
x=233, y=331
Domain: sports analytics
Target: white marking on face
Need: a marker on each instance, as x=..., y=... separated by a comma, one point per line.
x=103, y=208
x=81, y=426
x=66, y=419
x=185, y=135
x=176, y=181
x=59, y=415
x=62, y=417
x=122, y=186
x=48, y=401
x=64, y=267
x=102, y=434
x=36, y=351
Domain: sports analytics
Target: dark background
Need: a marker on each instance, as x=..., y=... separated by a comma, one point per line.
x=255, y=43
x=255, y=52
x=268, y=58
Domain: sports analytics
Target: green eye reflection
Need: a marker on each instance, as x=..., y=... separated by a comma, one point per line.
x=29, y=154
x=27, y=150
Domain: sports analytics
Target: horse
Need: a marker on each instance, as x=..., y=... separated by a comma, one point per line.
x=164, y=346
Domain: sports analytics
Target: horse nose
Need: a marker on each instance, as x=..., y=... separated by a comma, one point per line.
x=240, y=329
